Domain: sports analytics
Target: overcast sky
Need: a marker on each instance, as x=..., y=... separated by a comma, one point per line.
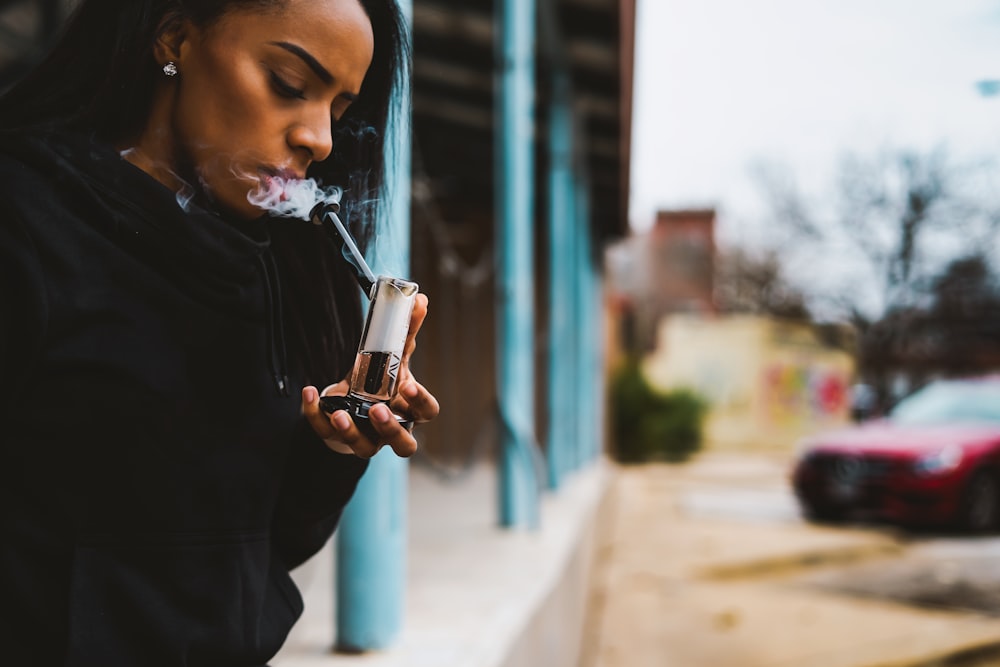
x=723, y=83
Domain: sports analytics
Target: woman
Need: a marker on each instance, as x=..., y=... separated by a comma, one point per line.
x=158, y=481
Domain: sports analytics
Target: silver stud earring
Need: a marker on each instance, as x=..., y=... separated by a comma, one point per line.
x=170, y=69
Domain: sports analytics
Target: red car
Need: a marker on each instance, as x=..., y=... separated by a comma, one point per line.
x=935, y=461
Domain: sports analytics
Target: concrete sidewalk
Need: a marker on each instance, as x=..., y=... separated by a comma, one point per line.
x=477, y=596
x=701, y=565
x=681, y=580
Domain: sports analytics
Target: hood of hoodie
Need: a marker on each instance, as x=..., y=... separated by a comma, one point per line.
x=144, y=215
x=215, y=260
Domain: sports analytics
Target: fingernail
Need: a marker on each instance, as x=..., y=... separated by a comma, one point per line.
x=341, y=420
x=409, y=390
x=380, y=413
x=309, y=394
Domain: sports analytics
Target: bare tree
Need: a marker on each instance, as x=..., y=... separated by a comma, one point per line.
x=754, y=282
x=964, y=319
x=955, y=333
x=887, y=228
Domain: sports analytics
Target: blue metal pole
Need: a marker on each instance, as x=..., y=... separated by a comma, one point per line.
x=582, y=321
x=600, y=361
x=371, y=542
x=591, y=331
x=560, y=359
x=590, y=363
x=594, y=336
x=515, y=264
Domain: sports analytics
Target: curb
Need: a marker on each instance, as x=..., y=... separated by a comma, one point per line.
x=781, y=565
x=974, y=654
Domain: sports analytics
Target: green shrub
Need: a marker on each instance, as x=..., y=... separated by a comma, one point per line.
x=651, y=425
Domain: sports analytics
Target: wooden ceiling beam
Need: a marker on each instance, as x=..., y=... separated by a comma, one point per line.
x=448, y=22
x=449, y=73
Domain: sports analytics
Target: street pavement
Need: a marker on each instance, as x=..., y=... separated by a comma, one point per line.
x=708, y=564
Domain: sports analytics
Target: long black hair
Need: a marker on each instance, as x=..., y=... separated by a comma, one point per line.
x=99, y=78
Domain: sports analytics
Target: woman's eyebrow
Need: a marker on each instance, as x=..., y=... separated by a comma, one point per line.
x=307, y=58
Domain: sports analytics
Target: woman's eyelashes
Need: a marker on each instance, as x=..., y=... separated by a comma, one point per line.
x=285, y=89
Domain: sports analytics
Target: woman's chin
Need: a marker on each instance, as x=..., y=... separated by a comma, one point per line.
x=236, y=205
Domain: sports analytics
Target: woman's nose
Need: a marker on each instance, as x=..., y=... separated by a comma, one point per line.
x=315, y=137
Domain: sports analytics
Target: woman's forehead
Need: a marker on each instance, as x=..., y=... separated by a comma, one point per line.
x=301, y=19
x=337, y=33
x=345, y=11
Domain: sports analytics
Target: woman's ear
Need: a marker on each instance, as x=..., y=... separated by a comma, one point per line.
x=171, y=34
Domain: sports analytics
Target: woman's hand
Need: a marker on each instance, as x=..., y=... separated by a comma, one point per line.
x=413, y=400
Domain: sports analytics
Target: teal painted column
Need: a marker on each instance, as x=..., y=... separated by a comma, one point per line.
x=590, y=362
x=589, y=350
x=593, y=347
x=584, y=327
x=561, y=396
x=600, y=361
x=371, y=539
x=518, y=484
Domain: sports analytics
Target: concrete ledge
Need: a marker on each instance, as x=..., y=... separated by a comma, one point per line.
x=477, y=596
x=785, y=565
x=975, y=654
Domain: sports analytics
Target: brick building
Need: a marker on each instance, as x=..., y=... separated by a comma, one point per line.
x=669, y=269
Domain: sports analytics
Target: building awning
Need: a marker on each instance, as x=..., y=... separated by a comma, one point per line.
x=454, y=43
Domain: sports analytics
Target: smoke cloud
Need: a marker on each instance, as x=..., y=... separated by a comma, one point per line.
x=292, y=197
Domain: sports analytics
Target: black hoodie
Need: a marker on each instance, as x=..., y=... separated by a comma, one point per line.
x=157, y=481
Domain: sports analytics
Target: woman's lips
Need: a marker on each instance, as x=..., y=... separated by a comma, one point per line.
x=283, y=174
x=274, y=181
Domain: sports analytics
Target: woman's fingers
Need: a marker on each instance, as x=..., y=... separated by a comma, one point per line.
x=351, y=436
x=339, y=389
x=313, y=414
x=340, y=432
x=416, y=321
x=342, y=435
x=414, y=400
x=324, y=425
x=418, y=313
x=387, y=431
x=391, y=432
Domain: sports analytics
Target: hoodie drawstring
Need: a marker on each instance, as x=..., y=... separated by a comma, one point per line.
x=277, y=356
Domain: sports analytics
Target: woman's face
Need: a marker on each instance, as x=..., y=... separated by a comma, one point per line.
x=256, y=95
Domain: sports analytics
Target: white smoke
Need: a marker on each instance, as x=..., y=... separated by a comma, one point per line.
x=292, y=197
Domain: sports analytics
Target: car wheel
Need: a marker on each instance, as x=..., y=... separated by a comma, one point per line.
x=980, y=508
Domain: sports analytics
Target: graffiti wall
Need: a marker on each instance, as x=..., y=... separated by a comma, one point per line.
x=769, y=383
x=804, y=392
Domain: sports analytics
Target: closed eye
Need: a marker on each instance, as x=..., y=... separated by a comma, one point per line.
x=285, y=89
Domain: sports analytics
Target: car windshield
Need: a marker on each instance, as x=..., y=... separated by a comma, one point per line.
x=945, y=402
